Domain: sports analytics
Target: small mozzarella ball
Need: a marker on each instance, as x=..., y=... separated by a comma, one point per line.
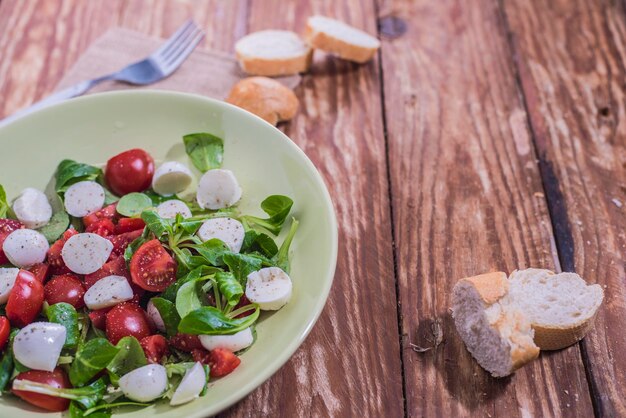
x=170, y=208
x=155, y=316
x=32, y=208
x=145, y=383
x=235, y=342
x=85, y=253
x=7, y=280
x=38, y=345
x=270, y=288
x=107, y=292
x=228, y=230
x=218, y=189
x=170, y=178
x=84, y=198
x=190, y=387
x=25, y=248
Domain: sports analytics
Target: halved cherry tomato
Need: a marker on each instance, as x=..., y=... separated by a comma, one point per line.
x=130, y=171
x=243, y=301
x=127, y=319
x=116, y=267
x=103, y=227
x=5, y=330
x=40, y=271
x=200, y=355
x=108, y=212
x=129, y=225
x=55, y=261
x=186, y=342
x=99, y=318
x=120, y=242
x=155, y=348
x=56, y=378
x=66, y=288
x=6, y=227
x=222, y=362
x=152, y=268
x=25, y=299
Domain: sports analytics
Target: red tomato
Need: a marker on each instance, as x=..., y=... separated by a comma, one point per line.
x=5, y=330
x=57, y=265
x=6, y=227
x=200, y=355
x=243, y=301
x=222, y=362
x=155, y=348
x=99, y=318
x=66, y=288
x=41, y=271
x=130, y=171
x=56, y=378
x=127, y=319
x=152, y=268
x=129, y=225
x=25, y=299
x=186, y=342
x=116, y=267
x=120, y=242
x=107, y=212
x=103, y=227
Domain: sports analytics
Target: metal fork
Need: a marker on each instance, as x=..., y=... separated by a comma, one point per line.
x=160, y=64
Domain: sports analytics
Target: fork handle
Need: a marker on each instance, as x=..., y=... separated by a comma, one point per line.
x=73, y=91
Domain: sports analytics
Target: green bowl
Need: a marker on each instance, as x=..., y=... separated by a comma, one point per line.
x=93, y=128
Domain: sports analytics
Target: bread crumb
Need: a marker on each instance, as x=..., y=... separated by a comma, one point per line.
x=617, y=202
x=539, y=194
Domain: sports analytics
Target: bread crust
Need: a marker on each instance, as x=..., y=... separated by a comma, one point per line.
x=275, y=67
x=265, y=97
x=339, y=47
x=490, y=286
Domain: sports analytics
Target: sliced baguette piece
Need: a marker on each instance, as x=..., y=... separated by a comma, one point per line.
x=561, y=307
x=494, y=331
x=265, y=97
x=273, y=53
x=338, y=38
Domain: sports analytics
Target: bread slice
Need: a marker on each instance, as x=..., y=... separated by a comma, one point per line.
x=265, y=97
x=336, y=37
x=495, y=332
x=561, y=307
x=273, y=53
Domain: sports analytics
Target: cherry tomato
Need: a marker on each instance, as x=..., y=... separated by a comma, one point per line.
x=186, y=342
x=129, y=225
x=130, y=171
x=107, y=212
x=55, y=260
x=5, y=330
x=152, y=268
x=6, y=227
x=40, y=271
x=127, y=319
x=243, y=301
x=116, y=267
x=200, y=355
x=99, y=318
x=222, y=362
x=25, y=299
x=56, y=378
x=120, y=242
x=103, y=227
x=155, y=348
x=66, y=288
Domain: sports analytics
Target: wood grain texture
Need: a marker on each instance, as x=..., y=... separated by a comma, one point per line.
x=572, y=63
x=467, y=199
x=350, y=364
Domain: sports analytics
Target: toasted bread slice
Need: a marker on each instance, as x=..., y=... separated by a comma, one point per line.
x=495, y=332
x=265, y=97
x=273, y=53
x=338, y=38
x=561, y=307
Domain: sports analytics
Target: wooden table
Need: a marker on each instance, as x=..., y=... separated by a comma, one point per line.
x=492, y=135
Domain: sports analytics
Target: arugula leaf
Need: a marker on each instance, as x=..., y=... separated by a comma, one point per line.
x=134, y=246
x=277, y=207
x=241, y=265
x=197, y=272
x=90, y=411
x=65, y=314
x=229, y=287
x=56, y=227
x=189, y=226
x=87, y=396
x=77, y=412
x=5, y=208
x=205, y=150
x=6, y=368
x=129, y=357
x=156, y=224
x=259, y=242
x=282, y=258
x=209, y=320
x=190, y=297
x=133, y=204
x=91, y=358
x=212, y=251
x=168, y=313
x=70, y=172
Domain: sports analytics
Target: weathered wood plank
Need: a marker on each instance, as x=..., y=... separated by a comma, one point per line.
x=467, y=198
x=350, y=364
x=572, y=64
